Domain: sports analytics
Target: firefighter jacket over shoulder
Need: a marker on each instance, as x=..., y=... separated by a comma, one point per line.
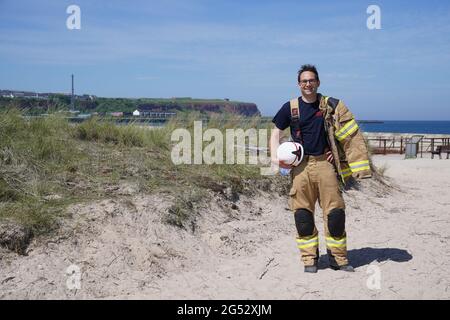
x=345, y=139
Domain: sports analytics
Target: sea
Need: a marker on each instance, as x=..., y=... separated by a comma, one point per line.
x=430, y=127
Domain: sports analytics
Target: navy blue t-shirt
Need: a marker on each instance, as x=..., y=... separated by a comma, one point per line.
x=311, y=126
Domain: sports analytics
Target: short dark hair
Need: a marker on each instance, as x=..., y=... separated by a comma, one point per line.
x=307, y=67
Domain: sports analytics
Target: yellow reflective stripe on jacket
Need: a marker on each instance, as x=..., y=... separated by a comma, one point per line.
x=334, y=243
x=345, y=173
x=347, y=130
x=359, y=166
x=306, y=243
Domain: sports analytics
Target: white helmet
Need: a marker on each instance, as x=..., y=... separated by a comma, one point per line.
x=290, y=152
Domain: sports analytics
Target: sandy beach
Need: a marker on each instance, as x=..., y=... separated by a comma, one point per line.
x=398, y=238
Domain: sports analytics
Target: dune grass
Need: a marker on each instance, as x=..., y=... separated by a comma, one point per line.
x=31, y=155
x=48, y=163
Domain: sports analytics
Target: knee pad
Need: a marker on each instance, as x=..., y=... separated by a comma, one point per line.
x=304, y=221
x=336, y=222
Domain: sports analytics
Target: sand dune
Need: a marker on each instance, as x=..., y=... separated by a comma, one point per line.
x=397, y=235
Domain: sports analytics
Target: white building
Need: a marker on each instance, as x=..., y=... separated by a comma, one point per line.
x=136, y=113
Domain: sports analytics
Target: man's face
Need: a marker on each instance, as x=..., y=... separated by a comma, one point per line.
x=308, y=83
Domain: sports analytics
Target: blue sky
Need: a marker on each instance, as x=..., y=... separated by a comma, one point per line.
x=242, y=50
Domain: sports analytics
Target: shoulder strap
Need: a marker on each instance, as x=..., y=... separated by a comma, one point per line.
x=332, y=102
x=295, y=122
x=295, y=110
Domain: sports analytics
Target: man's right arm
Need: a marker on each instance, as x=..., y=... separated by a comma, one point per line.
x=274, y=144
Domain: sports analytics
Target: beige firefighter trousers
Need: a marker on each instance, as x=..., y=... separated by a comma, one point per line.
x=315, y=180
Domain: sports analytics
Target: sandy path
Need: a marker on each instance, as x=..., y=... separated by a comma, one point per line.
x=124, y=251
x=404, y=235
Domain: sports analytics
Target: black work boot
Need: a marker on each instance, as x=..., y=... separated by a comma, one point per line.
x=333, y=264
x=311, y=269
x=314, y=267
x=345, y=267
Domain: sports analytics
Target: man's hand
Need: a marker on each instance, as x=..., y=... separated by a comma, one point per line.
x=281, y=164
x=330, y=157
x=284, y=165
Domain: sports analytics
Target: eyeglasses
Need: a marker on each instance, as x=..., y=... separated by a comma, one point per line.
x=304, y=82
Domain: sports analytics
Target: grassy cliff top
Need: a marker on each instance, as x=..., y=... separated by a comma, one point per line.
x=103, y=104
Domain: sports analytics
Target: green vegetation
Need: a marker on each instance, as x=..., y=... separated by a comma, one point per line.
x=56, y=102
x=32, y=157
x=47, y=164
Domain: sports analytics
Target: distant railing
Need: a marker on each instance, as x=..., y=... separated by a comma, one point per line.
x=397, y=145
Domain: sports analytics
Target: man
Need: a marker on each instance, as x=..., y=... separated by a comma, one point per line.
x=334, y=151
